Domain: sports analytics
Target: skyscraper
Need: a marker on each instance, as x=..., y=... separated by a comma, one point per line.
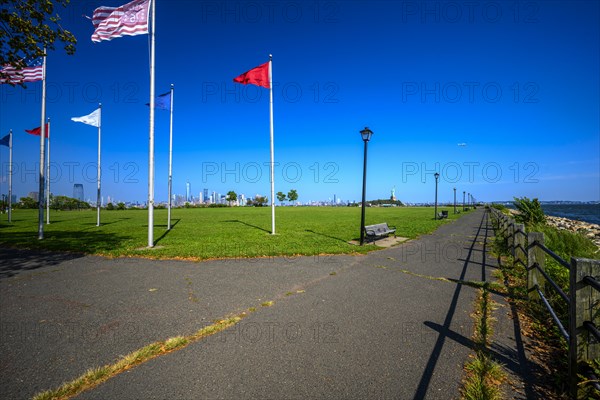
x=188, y=191
x=78, y=191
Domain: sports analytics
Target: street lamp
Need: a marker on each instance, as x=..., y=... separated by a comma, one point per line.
x=366, y=136
x=464, y=209
x=454, y=200
x=437, y=176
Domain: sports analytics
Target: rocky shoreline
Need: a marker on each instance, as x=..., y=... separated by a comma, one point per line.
x=591, y=231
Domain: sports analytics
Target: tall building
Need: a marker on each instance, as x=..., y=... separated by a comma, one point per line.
x=188, y=191
x=205, y=196
x=33, y=195
x=200, y=198
x=78, y=191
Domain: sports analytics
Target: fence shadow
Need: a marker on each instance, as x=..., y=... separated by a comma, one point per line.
x=444, y=331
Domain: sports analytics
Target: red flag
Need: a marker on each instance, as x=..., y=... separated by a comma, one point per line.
x=37, y=131
x=258, y=76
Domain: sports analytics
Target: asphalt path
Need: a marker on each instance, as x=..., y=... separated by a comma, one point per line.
x=394, y=323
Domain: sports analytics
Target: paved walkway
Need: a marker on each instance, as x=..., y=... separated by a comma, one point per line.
x=373, y=326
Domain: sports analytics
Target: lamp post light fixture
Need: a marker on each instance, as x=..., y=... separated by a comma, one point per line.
x=437, y=176
x=454, y=200
x=366, y=136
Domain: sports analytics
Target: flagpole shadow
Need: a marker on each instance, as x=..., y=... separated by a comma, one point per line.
x=247, y=224
x=165, y=233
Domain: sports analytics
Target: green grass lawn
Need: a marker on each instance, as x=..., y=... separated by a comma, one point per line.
x=206, y=233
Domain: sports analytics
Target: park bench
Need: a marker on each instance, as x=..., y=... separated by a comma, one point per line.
x=443, y=214
x=379, y=230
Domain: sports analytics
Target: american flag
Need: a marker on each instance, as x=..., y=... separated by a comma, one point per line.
x=31, y=73
x=130, y=19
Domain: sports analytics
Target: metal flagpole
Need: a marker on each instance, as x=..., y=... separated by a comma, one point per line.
x=42, y=140
x=99, y=198
x=151, y=133
x=10, y=146
x=272, y=146
x=170, y=159
x=48, y=178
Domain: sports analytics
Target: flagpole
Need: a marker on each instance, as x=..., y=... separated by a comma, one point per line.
x=151, y=133
x=272, y=145
x=10, y=151
x=170, y=159
x=48, y=178
x=99, y=198
x=42, y=140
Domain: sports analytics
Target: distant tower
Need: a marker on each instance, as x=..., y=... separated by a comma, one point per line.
x=393, y=197
x=78, y=191
x=188, y=191
x=205, y=196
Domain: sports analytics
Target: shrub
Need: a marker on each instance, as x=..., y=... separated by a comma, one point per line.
x=530, y=211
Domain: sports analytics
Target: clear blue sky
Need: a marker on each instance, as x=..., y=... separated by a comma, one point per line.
x=519, y=86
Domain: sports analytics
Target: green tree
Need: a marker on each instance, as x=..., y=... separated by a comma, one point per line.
x=292, y=195
x=120, y=205
x=110, y=206
x=29, y=26
x=260, y=201
x=530, y=211
x=231, y=196
x=281, y=197
x=28, y=202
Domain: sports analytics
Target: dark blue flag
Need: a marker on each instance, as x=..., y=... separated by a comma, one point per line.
x=5, y=141
x=163, y=101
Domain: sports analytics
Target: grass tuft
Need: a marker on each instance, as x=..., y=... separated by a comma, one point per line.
x=95, y=376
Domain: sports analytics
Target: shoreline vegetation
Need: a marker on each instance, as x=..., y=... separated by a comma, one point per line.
x=586, y=229
x=567, y=238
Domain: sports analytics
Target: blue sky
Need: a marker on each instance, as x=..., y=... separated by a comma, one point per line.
x=518, y=82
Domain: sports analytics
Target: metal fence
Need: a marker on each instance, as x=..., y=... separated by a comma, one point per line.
x=583, y=299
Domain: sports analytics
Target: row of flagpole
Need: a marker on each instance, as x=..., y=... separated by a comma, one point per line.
x=108, y=25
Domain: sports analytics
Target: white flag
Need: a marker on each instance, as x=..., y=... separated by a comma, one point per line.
x=91, y=119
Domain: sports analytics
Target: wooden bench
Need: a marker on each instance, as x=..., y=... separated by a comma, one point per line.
x=443, y=214
x=379, y=230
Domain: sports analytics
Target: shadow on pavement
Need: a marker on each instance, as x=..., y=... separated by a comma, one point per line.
x=444, y=330
x=42, y=253
x=15, y=261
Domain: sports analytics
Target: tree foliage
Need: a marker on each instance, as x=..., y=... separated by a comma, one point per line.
x=281, y=197
x=530, y=211
x=28, y=202
x=29, y=26
x=67, y=203
x=231, y=196
x=292, y=195
x=259, y=201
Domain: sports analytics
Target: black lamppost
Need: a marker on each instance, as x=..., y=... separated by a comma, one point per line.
x=454, y=200
x=464, y=192
x=437, y=176
x=366, y=136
